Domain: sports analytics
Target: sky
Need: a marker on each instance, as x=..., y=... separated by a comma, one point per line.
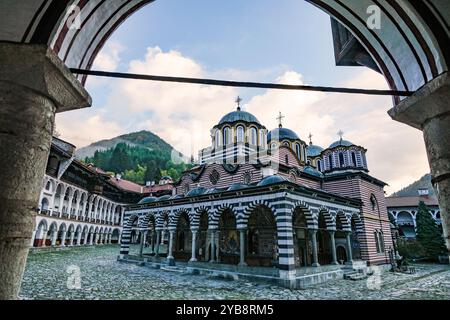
x=284, y=41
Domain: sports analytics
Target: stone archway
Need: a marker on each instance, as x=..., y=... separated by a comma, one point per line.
x=262, y=243
x=228, y=238
x=302, y=243
x=183, y=238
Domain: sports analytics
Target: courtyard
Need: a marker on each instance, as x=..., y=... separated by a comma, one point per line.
x=93, y=273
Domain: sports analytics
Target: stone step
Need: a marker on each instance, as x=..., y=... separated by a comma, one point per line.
x=173, y=269
x=357, y=277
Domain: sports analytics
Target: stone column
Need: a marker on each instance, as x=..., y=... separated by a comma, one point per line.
x=349, y=247
x=428, y=110
x=72, y=237
x=79, y=238
x=333, y=247
x=170, y=259
x=158, y=240
x=54, y=237
x=242, y=234
x=34, y=84
x=63, y=238
x=91, y=238
x=314, y=248
x=152, y=242
x=44, y=238
x=101, y=238
x=213, y=245
x=194, y=238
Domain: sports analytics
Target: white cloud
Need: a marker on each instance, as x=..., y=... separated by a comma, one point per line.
x=183, y=114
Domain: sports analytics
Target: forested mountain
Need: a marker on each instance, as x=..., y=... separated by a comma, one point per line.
x=139, y=157
x=412, y=189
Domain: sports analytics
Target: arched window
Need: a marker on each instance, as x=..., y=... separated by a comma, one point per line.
x=308, y=162
x=286, y=159
x=240, y=134
x=253, y=136
x=217, y=138
x=319, y=165
x=226, y=136
x=341, y=160
x=48, y=186
x=298, y=150
x=373, y=202
x=330, y=161
x=44, y=204
x=355, y=163
x=286, y=144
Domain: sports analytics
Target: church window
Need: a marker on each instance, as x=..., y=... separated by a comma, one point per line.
x=341, y=160
x=319, y=165
x=253, y=137
x=308, y=162
x=217, y=138
x=247, y=179
x=355, y=163
x=214, y=177
x=298, y=150
x=377, y=244
x=286, y=144
x=286, y=159
x=240, y=134
x=373, y=202
x=226, y=136
x=330, y=161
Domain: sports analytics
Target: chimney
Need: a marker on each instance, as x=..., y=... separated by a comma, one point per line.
x=118, y=176
x=423, y=192
x=148, y=183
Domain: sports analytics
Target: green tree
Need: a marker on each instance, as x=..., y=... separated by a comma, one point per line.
x=427, y=233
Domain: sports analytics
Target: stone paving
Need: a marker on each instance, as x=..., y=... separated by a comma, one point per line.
x=93, y=273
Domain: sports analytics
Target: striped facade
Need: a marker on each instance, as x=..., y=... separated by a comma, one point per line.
x=282, y=199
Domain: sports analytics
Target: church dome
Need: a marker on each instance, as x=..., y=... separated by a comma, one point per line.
x=147, y=200
x=282, y=134
x=341, y=142
x=312, y=171
x=196, y=192
x=271, y=180
x=313, y=151
x=238, y=115
x=237, y=186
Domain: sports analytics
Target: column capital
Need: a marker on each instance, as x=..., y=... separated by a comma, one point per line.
x=428, y=102
x=37, y=67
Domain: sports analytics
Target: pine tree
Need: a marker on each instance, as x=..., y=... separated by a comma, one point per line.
x=427, y=233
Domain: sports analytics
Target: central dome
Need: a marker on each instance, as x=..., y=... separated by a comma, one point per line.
x=238, y=115
x=282, y=134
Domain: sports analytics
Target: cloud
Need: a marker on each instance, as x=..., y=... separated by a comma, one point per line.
x=183, y=114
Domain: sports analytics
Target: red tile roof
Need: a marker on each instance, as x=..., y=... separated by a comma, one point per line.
x=411, y=201
x=126, y=185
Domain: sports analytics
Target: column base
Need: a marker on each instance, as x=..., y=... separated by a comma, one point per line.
x=170, y=261
x=193, y=260
x=242, y=264
x=316, y=264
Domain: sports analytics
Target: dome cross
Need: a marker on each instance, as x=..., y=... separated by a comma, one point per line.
x=280, y=119
x=340, y=134
x=238, y=101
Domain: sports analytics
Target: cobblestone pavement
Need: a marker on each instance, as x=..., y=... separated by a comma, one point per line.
x=53, y=275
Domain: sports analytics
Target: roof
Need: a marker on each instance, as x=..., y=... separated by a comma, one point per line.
x=341, y=142
x=313, y=150
x=411, y=201
x=238, y=115
x=282, y=134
